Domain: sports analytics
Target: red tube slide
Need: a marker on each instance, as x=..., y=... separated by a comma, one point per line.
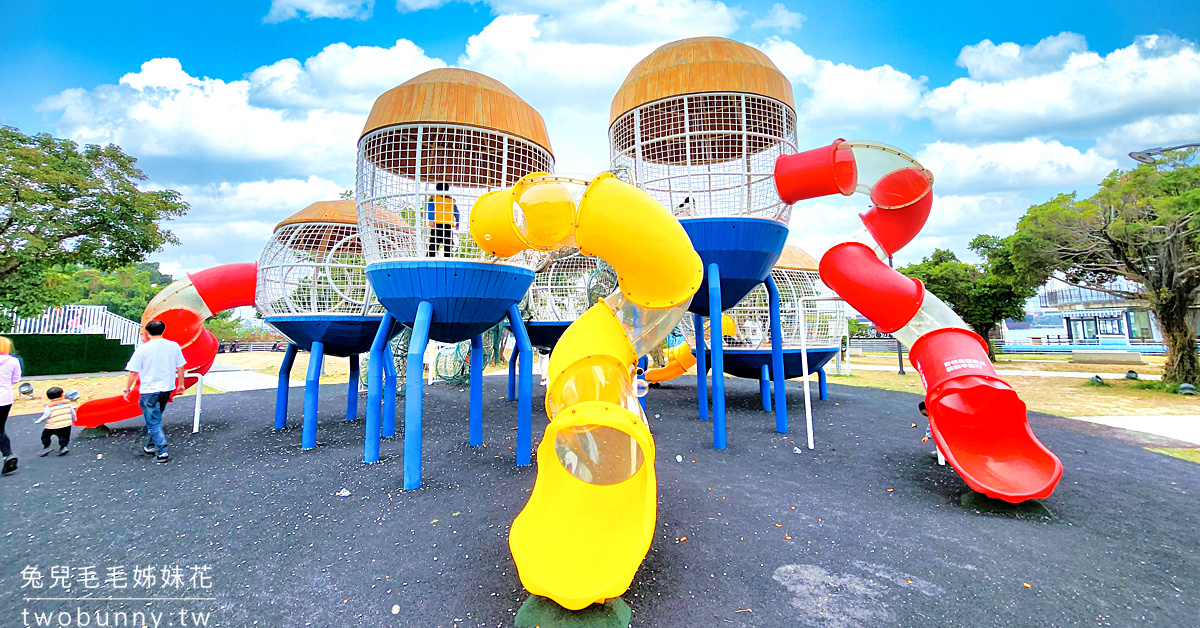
x=977, y=419
x=183, y=306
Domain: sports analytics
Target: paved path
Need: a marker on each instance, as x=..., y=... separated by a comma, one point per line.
x=866, y=530
x=1018, y=373
x=1184, y=428
x=237, y=380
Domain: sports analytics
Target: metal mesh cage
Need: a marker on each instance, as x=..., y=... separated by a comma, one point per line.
x=567, y=287
x=401, y=210
x=314, y=268
x=710, y=154
x=826, y=320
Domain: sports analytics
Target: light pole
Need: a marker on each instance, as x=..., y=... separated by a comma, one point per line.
x=1149, y=155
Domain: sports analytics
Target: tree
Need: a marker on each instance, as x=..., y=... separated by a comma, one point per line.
x=1141, y=225
x=125, y=291
x=982, y=294
x=225, y=327
x=60, y=206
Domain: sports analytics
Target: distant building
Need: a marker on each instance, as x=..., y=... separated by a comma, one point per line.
x=1095, y=317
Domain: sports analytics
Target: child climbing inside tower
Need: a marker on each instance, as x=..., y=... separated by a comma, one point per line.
x=442, y=215
x=59, y=415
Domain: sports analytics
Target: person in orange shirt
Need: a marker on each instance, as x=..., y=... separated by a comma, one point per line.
x=441, y=213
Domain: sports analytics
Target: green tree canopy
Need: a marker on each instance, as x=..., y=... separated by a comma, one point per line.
x=61, y=206
x=126, y=290
x=983, y=294
x=1141, y=225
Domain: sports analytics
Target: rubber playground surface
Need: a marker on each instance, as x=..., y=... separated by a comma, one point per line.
x=865, y=530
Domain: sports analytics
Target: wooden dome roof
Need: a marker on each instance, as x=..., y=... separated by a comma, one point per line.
x=457, y=96
x=337, y=212
x=696, y=65
x=795, y=258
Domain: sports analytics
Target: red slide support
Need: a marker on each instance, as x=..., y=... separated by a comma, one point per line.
x=977, y=420
x=183, y=306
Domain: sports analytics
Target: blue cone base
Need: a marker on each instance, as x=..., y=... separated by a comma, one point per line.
x=745, y=248
x=468, y=298
x=342, y=335
x=748, y=364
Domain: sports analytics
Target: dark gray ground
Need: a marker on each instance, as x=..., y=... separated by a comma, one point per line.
x=285, y=550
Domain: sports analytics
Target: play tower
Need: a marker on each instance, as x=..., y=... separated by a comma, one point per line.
x=312, y=287
x=699, y=124
x=812, y=323
x=431, y=147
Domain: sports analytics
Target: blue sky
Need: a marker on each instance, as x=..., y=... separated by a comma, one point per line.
x=252, y=109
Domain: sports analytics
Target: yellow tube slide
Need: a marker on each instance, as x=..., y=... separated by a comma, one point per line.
x=590, y=518
x=680, y=357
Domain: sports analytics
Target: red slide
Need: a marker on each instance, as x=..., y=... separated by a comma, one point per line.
x=183, y=306
x=977, y=419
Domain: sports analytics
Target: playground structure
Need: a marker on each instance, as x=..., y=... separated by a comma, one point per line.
x=977, y=420
x=590, y=519
x=430, y=147
x=456, y=209
x=747, y=329
x=699, y=123
x=563, y=289
x=183, y=306
x=312, y=287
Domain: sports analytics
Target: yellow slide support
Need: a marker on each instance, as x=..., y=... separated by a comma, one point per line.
x=590, y=518
x=680, y=357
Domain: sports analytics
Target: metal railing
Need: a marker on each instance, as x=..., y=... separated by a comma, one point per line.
x=80, y=319
x=1077, y=295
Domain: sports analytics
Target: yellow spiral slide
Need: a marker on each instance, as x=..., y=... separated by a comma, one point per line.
x=590, y=519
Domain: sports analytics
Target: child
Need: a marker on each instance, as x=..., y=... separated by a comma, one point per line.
x=59, y=415
x=936, y=453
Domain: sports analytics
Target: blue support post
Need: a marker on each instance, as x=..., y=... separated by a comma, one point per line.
x=781, y=417
x=375, y=389
x=285, y=380
x=524, y=446
x=388, y=429
x=643, y=362
x=414, y=391
x=352, y=390
x=476, y=429
x=701, y=369
x=823, y=385
x=718, y=357
x=512, y=371
x=312, y=394
x=764, y=387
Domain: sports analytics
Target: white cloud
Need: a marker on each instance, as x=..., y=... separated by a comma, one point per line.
x=987, y=61
x=633, y=22
x=1085, y=98
x=231, y=222
x=406, y=6
x=570, y=84
x=283, y=10
x=843, y=95
x=1030, y=164
x=1150, y=132
x=780, y=18
x=285, y=119
x=340, y=77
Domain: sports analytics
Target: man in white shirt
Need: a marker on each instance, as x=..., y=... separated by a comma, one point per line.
x=159, y=363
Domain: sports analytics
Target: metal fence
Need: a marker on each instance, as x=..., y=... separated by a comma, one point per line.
x=80, y=319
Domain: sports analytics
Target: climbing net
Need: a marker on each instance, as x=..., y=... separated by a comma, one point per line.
x=567, y=286
x=314, y=268
x=826, y=320
x=400, y=171
x=709, y=154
